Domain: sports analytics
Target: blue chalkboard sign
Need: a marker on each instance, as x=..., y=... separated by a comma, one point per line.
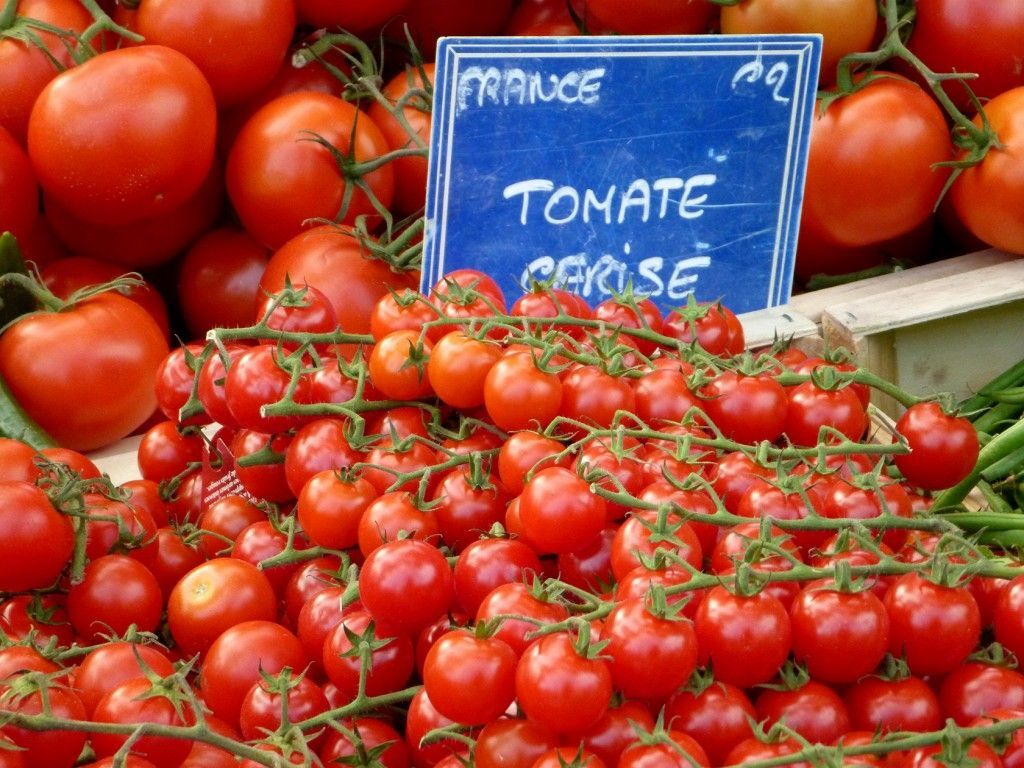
x=675, y=164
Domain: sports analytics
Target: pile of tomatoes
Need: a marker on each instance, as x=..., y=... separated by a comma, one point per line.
x=526, y=535
x=202, y=146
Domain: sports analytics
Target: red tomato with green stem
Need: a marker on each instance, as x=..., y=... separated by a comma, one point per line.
x=391, y=514
x=517, y=599
x=941, y=34
x=812, y=407
x=405, y=585
x=559, y=512
x=130, y=702
x=398, y=366
x=468, y=506
x=651, y=655
x=889, y=135
x=486, y=564
x=52, y=748
x=111, y=664
x=470, y=679
x=115, y=348
x=330, y=506
x=115, y=592
x=370, y=733
x=263, y=706
x=294, y=161
x=746, y=638
x=839, y=635
x=239, y=657
x=391, y=662
x=893, y=704
x=943, y=448
x=458, y=368
x=747, y=409
x=26, y=68
x=512, y=743
x=920, y=611
x=519, y=395
x=317, y=257
x=318, y=446
x=813, y=710
x=157, y=119
x=559, y=688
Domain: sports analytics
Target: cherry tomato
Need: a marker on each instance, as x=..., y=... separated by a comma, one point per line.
x=470, y=679
x=559, y=688
x=37, y=540
x=943, y=448
x=405, y=585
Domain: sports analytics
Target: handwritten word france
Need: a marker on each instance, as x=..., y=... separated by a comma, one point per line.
x=491, y=86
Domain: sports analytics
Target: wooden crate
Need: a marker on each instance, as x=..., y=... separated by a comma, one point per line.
x=946, y=327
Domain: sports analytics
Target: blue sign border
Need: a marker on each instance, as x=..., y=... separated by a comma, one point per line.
x=805, y=49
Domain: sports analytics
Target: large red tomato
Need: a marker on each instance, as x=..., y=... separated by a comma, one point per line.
x=988, y=197
x=86, y=374
x=332, y=260
x=25, y=69
x=209, y=31
x=846, y=26
x=125, y=136
x=945, y=37
x=285, y=166
x=887, y=135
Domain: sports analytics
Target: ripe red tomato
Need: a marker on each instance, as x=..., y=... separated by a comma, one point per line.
x=559, y=512
x=127, y=703
x=486, y=564
x=318, y=257
x=747, y=409
x=215, y=596
x=458, y=368
x=559, y=688
x=847, y=26
x=648, y=17
x=26, y=68
x=813, y=710
x=400, y=93
x=519, y=395
x=746, y=638
x=398, y=366
x=36, y=541
x=840, y=636
x=207, y=33
x=114, y=348
x=219, y=278
x=921, y=611
x=52, y=748
x=943, y=448
x=157, y=118
x=887, y=135
x=109, y=665
x=974, y=689
x=650, y=656
x=115, y=593
x=146, y=243
x=984, y=195
x=470, y=679
x=239, y=658
x=512, y=743
x=811, y=408
x=886, y=705
x=941, y=37
x=279, y=175
x=719, y=717
x=516, y=599
x=371, y=733
x=391, y=661
x=405, y=585
x=262, y=708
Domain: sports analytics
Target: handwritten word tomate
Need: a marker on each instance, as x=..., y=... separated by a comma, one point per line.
x=640, y=200
x=483, y=86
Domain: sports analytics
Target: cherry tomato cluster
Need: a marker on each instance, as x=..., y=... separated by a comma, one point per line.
x=528, y=535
